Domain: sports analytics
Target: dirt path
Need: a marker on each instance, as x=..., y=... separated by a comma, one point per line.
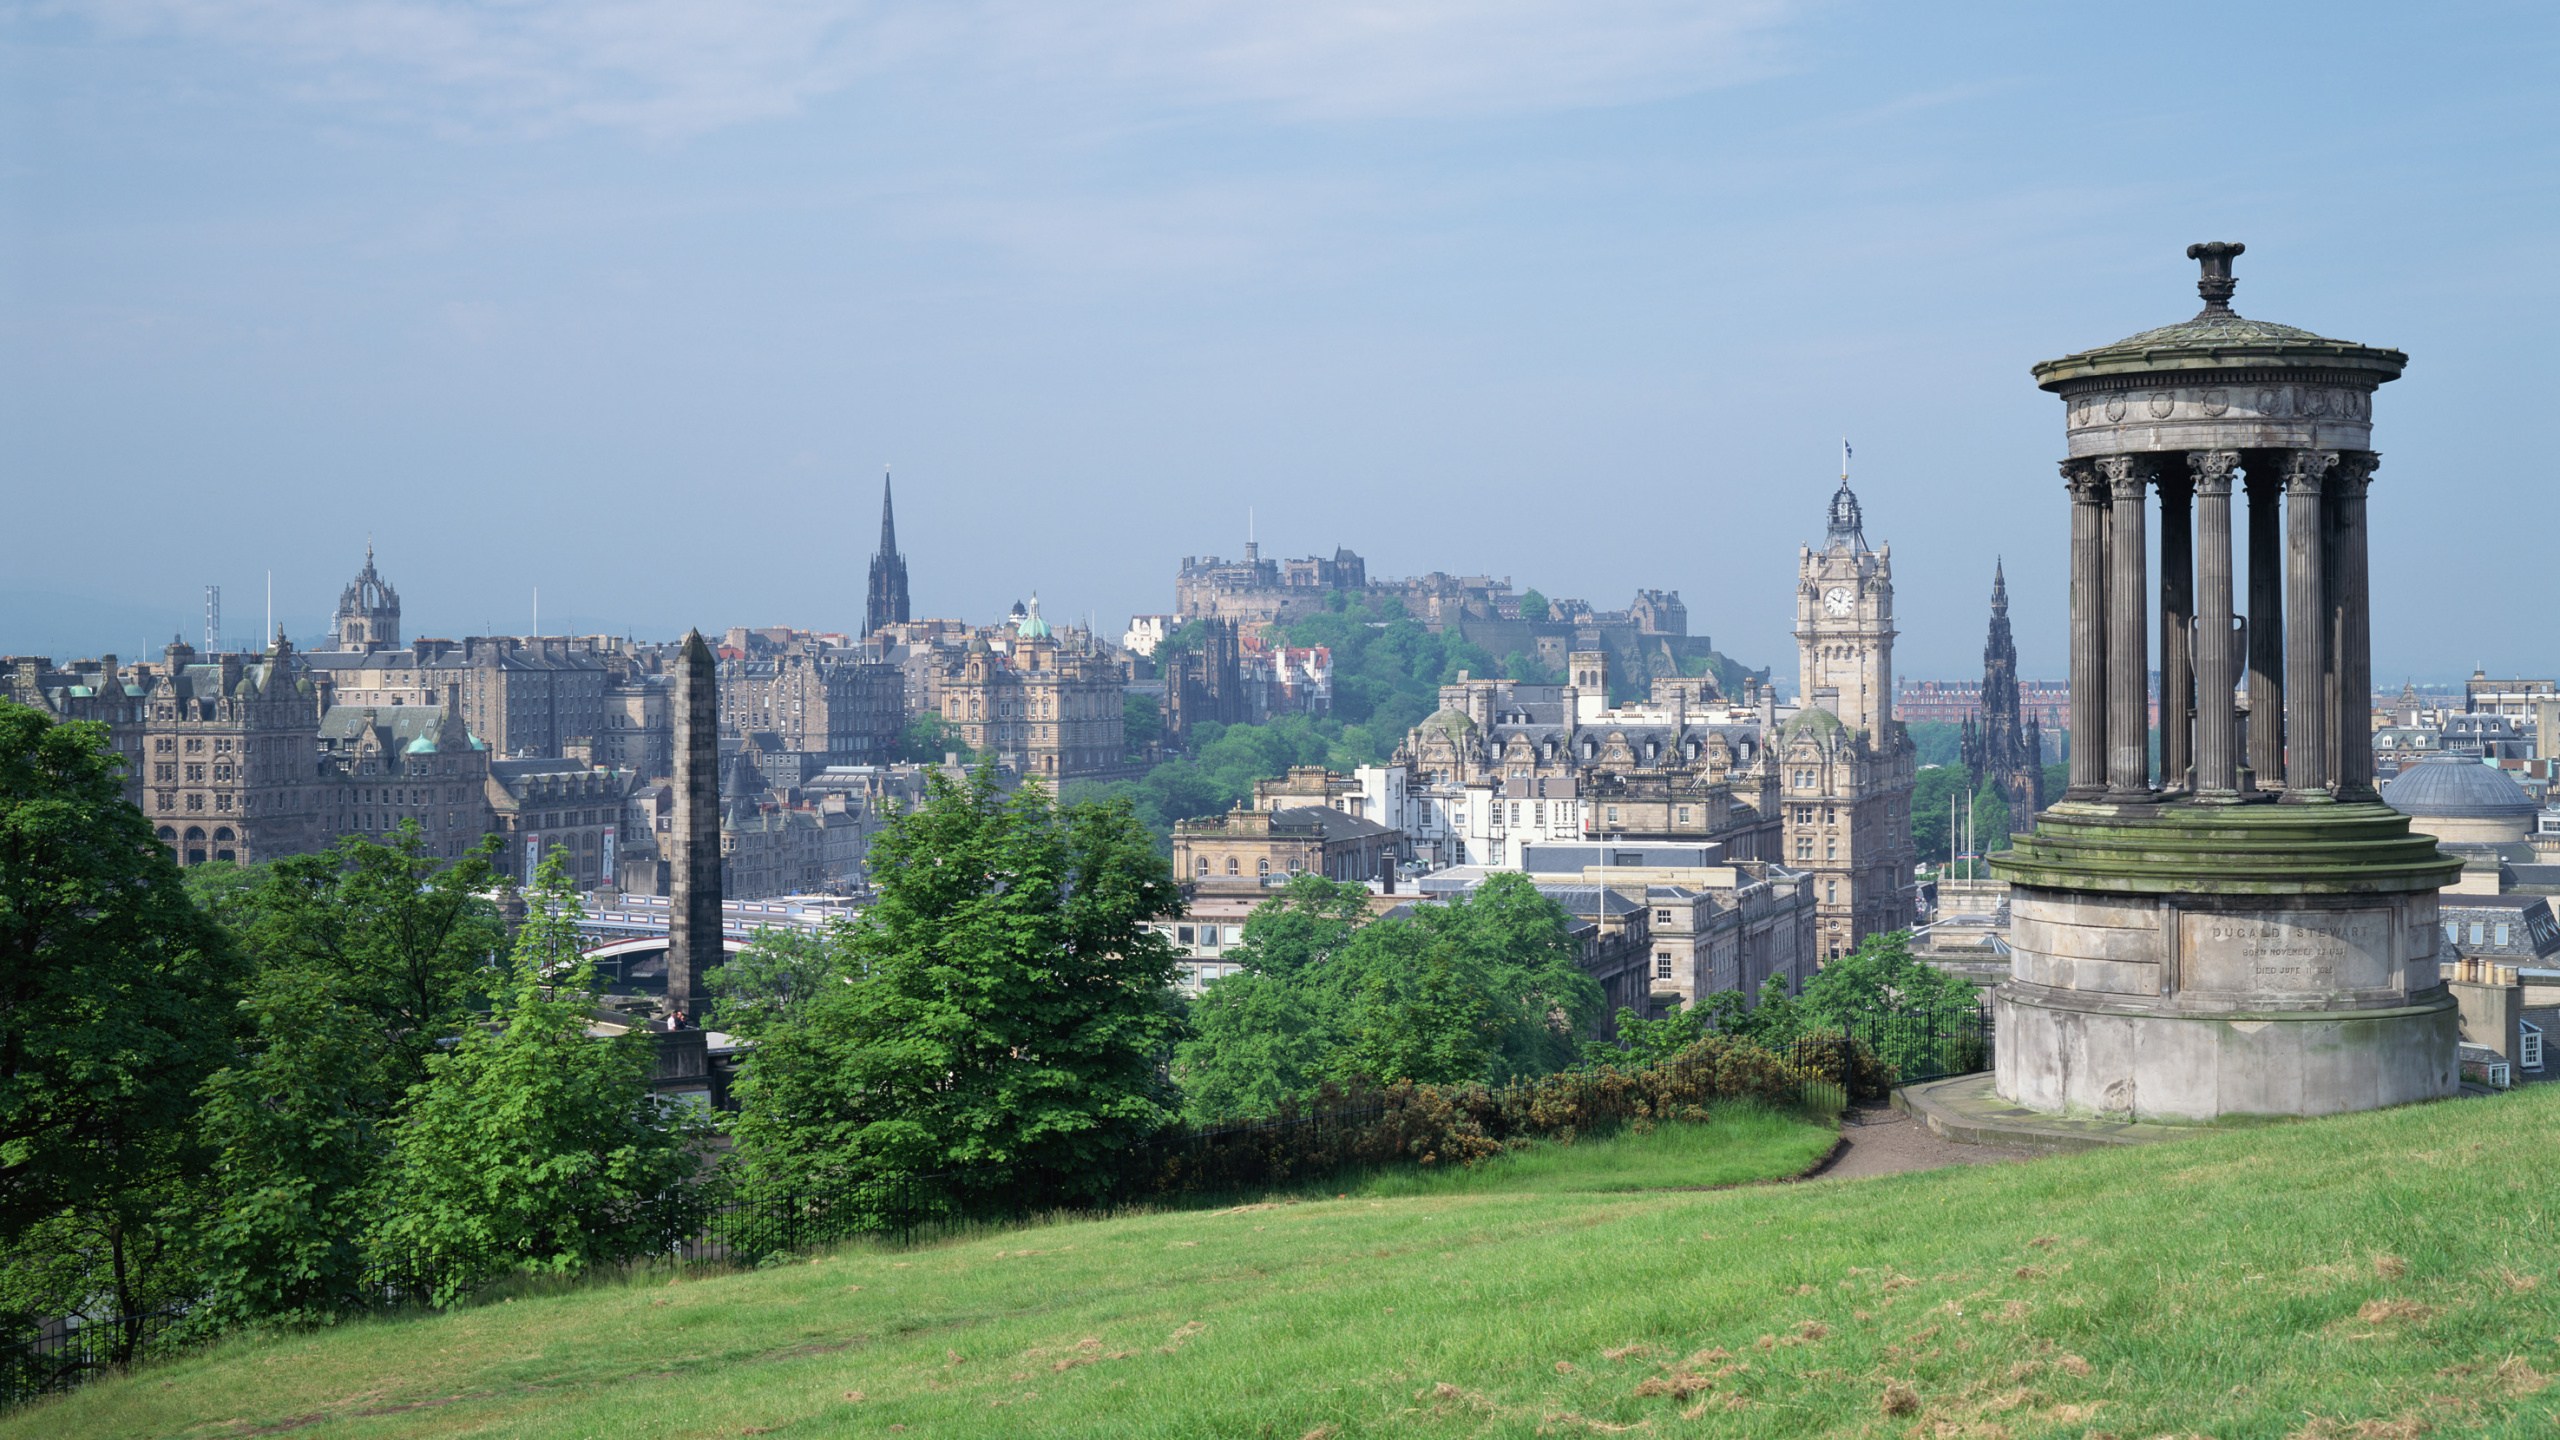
x=1883, y=1141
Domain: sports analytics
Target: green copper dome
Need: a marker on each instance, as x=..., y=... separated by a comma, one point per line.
x=1453, y=723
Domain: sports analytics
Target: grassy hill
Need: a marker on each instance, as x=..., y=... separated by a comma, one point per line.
x=2373, y=1276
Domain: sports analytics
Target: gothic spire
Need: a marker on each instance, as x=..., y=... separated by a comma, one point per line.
x=886, y=603
x=1999, y=588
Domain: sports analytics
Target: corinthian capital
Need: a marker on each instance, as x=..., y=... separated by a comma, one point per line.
x=2304, y=470
x=2124, y=481
x=2080, y=477
x=2211, y=470
x=2355, y=471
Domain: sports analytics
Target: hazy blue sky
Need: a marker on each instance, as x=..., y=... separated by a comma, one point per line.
x=631, y=301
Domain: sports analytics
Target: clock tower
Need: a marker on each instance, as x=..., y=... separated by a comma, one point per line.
x=1844, y=622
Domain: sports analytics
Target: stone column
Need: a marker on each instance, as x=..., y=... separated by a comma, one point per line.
x=2266, y=618
x=693, y=901
x=2217, y=732
x=2177, y=608
x=2306, y=772
x=2088, y=630
x=2128, y=637
x=2354, y=762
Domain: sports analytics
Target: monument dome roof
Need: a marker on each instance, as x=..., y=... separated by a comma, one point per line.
x=2456, y=787
x=2217, y=338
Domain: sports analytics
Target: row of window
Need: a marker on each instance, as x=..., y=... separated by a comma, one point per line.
x=2452, y=932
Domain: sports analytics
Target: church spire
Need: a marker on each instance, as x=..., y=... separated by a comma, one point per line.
x=1999, y=588
x=886, y=603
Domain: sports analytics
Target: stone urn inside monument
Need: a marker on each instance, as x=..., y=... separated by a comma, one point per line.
x=2249, y=931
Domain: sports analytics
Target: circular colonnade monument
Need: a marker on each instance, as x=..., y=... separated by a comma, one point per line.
x=2251, y=931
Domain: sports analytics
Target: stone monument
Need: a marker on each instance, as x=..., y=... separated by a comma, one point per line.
x=693, y=901
x=2251, y=932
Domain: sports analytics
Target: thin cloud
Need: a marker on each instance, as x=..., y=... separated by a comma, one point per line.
x=686, y=66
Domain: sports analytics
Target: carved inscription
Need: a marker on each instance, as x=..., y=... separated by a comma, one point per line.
x=2288, y=952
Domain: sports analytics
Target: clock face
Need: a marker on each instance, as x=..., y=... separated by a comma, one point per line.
x=1836, y=600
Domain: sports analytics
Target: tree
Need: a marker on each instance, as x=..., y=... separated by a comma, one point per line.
x=371, y=957
x=1141, y=723
x=1482, y=986
x=1880, y=979
x=1937, y=801
x=1007, y=1012
x=1441, y=1030
x=392, y=931
x=1990, y=818
x=1529, y=669
x=928, y=738
x=1937, y=742
x=769, y=981
x=1533, y=606
x=297, y=1126
x=1521, y=943
x=115, y=991
x=1256, y=1042
x=532, y=1144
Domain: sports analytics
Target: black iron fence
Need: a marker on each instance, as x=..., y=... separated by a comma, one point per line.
x=1929, y=1044
x=72, y=1354
x=1343, y=1128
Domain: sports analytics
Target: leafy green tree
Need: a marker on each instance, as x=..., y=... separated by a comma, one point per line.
x=1257, y=1042
x=1937, y=742
x=1522, y=944
x=1440, y=1030
x=297, y=1126
x=1879, y=979
x=1528, y=669
x=1295, y=931
x=1533, y=606
x=393, y=931
x=115, y=991
x=1990, y=818
x=765, y=984
x=532, y=1144
x=120, y=1252
x=1937, y=802
x=928, y=738
x=1008, y=1012
x=1141, y=723
x=370, y=958
x=1490, y=978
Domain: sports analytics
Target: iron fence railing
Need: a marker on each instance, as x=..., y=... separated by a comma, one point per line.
x=1299, y=1145
x=71, y=1354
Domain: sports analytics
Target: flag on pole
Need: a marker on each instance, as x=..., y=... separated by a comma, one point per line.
x=1844, y=457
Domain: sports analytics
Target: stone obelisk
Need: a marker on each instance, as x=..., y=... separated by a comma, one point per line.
x=693, y=921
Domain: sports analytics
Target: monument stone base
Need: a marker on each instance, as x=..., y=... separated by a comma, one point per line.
x=2186, y=963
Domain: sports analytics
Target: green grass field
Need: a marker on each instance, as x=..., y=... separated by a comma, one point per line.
x=2373, y=1276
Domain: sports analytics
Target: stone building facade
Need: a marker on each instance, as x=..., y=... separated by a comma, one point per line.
x=1269, y=845
x=1824, y=789
x=229, y=744
x=1052, y=712
x=415, y=764
x=840, y=705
